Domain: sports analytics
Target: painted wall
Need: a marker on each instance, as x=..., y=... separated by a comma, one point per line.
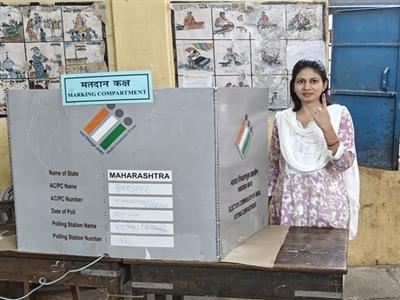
x=139, y=37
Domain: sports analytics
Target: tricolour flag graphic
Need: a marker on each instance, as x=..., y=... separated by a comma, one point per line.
x=244, y=137
x=105, y=128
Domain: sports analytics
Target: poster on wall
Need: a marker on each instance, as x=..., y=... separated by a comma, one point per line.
x=40, y=43
x=246, y=44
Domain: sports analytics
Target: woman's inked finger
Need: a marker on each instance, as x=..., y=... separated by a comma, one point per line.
x=324, y=105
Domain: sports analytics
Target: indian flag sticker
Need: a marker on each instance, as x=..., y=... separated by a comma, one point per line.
x=107, y=128
x=244, y=137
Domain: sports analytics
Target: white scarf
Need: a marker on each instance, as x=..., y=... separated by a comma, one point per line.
x=305, y=150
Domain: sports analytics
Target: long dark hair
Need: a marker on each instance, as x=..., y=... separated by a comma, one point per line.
x=318, y=67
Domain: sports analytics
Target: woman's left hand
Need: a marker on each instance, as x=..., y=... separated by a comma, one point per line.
x=321, y=115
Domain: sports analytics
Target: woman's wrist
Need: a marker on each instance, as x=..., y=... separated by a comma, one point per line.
x=328, y=130
x=331, y=138
x=333, y=143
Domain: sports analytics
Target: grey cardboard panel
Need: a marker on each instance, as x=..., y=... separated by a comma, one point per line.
x=178, y=135
x=43, y=138
x=175, y=133
x=242, y=164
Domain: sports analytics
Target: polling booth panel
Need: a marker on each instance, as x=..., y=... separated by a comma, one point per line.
x=183, y=177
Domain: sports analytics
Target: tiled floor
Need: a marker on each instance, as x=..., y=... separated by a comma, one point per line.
x=373, y=283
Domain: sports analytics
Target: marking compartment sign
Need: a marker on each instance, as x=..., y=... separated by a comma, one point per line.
x=106, y=88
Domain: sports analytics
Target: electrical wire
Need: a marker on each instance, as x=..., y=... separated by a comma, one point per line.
x=43, y=281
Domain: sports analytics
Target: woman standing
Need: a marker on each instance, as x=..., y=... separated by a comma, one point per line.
x=313, y=171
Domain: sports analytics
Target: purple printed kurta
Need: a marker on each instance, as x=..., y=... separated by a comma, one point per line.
x=315, y=198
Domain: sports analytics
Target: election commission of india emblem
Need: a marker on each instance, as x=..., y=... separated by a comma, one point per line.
x=107, y=129
x=244, y=137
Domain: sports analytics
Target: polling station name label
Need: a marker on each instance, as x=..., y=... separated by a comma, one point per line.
x=106, y=88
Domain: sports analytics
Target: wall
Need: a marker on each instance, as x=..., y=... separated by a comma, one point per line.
x=143, y=38
x=141, y=33
x=5, y=171
x=378, y=239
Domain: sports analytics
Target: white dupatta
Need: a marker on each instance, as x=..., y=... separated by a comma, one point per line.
x=305, y=150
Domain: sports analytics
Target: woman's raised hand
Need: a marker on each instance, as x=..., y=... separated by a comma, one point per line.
x=321, y=115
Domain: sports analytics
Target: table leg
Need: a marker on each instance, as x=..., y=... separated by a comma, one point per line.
x=26, y=288
x=75, y=292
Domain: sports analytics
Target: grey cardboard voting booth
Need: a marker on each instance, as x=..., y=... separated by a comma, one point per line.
x=181, y=178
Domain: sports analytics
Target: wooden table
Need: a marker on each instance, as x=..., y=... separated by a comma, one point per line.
x=310, y=265
x=25, y=269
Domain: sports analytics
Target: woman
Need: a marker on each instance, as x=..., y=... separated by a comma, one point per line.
x=30, y=30
x=313, y=172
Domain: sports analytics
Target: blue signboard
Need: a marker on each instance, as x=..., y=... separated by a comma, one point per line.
x=107, y=87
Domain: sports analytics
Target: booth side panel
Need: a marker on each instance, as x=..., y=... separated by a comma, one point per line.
x=243, y=152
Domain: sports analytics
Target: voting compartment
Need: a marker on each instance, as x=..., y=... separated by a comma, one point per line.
x=183, y=177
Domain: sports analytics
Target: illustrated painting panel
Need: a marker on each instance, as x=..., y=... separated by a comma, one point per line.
x=81, y=24
x=12, y=61
x=230, y=23
x=46, y=60
x=304, y=21
x=193, y=24
x=269, y=57
x=11, y=27
x=278, y=97
x=85, y=57
x=195, y=56
x=43, y=24
x=38, y=43
x=270, y=22
x=232, y=58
